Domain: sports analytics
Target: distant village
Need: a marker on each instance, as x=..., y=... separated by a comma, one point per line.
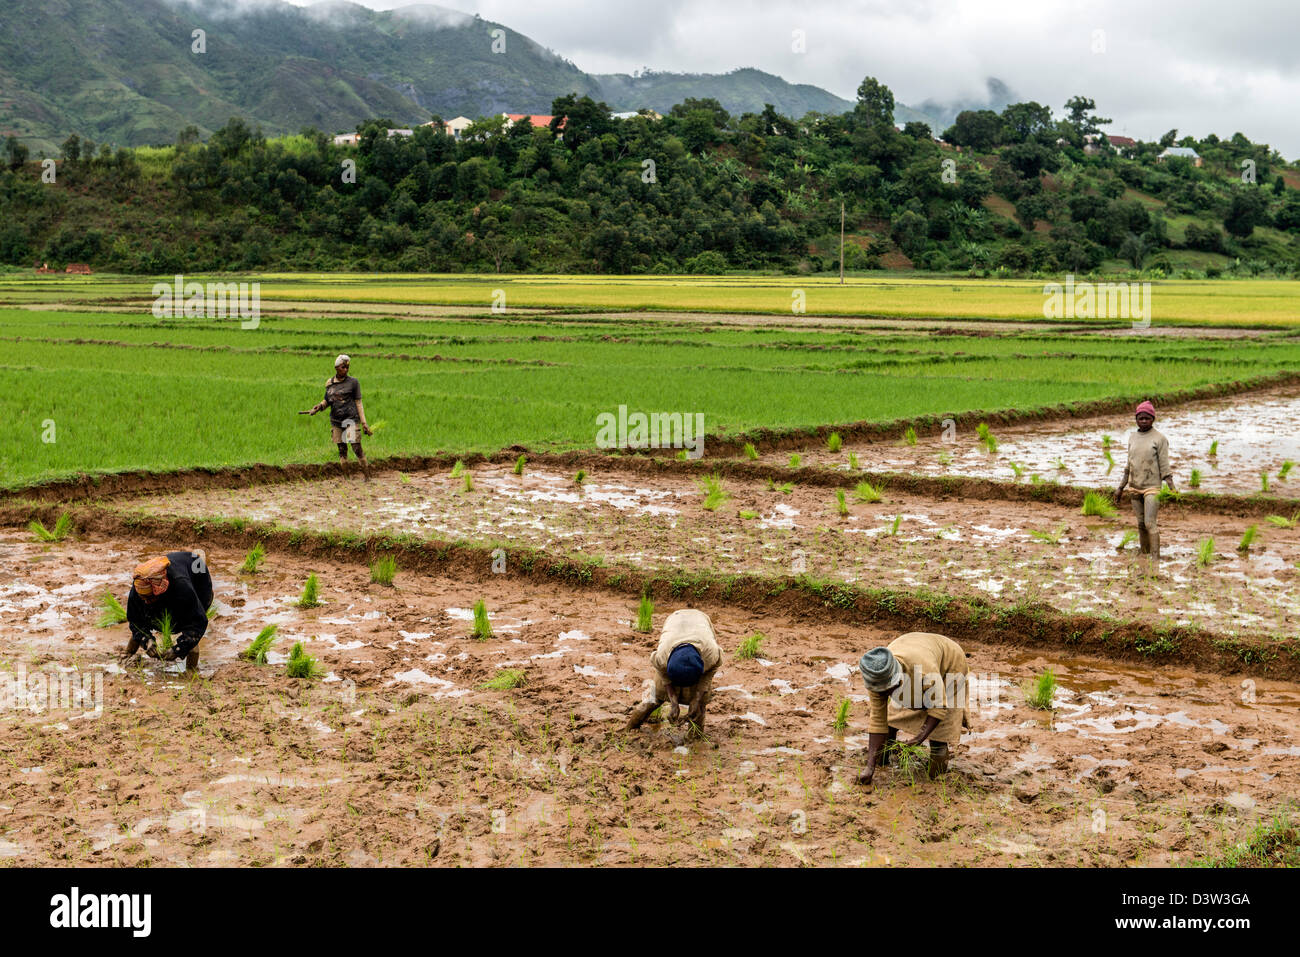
x=456, y=128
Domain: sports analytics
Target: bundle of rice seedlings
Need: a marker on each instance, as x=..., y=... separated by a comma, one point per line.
x=62, y=528
x=458, y=469
x=714, y=493
x=165, y=632
x=507, y=679
x=945, y=458
x=1194, y=480
x=893, y=527
x=1128, y=539
x=1248, y=538
x=796, y=460
x=520, y=463
x=1017, y=470
x=841, y=715
x=1214, y=449
x=1106, y=442
x=748, y=513
x=301, y=664
x=1051, y=538
x=580, y=477
x=1285, y=470
x=1095, y=503
x=853, y=461
x=1281, y=521
x=645, y=612
x=751, y=647
x=840, y=505
x=866, y=492
x=469, y=482
x=404, y=478
x=1263, y=482
x=114, y=613
x=482, y=627
x=1110, y=460
x=259, y=646
x=1166, y=494
x=833, y=442
x=1205, y=551
x=1040, y=691
x=910, y=761
x=909, y=436
x=750, y=452
x=681, y=456
x=382, y=571
x=253, y=559
x=310, y=593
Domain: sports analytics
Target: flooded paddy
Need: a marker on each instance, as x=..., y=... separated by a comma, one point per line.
x=401, y=756
x=1010, y=551
x=1255, y=432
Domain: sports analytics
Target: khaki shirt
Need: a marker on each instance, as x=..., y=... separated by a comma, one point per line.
x=686, y=626
x=934, y=681
x=1148, y=461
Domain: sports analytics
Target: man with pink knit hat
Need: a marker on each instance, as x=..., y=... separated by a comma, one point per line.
x=1147, y=467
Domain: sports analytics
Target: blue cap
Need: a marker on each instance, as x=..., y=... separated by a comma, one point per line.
x=685, y=666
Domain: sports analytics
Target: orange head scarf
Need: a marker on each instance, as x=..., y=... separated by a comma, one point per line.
x=150, y=577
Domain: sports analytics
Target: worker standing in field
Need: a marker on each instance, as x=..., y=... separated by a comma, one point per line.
x=1147, y=467
x=343, y=397
x=179, y=586
x=918, y=685
x=684, y=665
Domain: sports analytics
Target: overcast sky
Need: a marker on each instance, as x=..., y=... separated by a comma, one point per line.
x=1199, y=65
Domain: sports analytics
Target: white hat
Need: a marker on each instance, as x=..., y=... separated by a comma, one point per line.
x=342, y=359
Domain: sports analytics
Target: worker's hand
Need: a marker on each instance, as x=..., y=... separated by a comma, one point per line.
x=1119, y=494
x=171, y=654
x=366, y=429
x=150, y=646
x=696, y=708
x=674, y=713
x=919, y=739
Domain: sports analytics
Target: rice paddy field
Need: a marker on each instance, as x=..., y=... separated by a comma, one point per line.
x=906, y=455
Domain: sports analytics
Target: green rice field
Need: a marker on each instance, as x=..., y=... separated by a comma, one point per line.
x=95, y=390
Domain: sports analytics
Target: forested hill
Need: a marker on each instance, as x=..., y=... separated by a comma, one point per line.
x=1019, y=192
x=131, y=72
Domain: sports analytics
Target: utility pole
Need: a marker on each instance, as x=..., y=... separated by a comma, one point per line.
x=841, y=242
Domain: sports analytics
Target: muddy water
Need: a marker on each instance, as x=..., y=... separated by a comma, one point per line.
x=403, y=758
x=1255, y=432
x=983, y=548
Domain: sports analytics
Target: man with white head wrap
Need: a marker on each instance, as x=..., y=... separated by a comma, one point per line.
x=343, y=397
x=917, y=685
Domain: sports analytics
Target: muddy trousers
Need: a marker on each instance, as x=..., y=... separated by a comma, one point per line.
x=1146, y=507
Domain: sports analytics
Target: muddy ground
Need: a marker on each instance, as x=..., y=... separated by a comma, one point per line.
x=398, y=756
x=951, y=546
x=1256, y=431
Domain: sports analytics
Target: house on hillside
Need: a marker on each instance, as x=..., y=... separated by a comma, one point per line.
x=1122, y=142
x=648, y=114
x=1185, y=152
x=538, y=120
x=43, y=268
x=455, y=128
x=392, y=133
x=347, y=139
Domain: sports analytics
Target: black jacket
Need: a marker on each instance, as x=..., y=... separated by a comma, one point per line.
x=187, y=599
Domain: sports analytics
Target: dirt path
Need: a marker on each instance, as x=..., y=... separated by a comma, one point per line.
x=399, y=757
